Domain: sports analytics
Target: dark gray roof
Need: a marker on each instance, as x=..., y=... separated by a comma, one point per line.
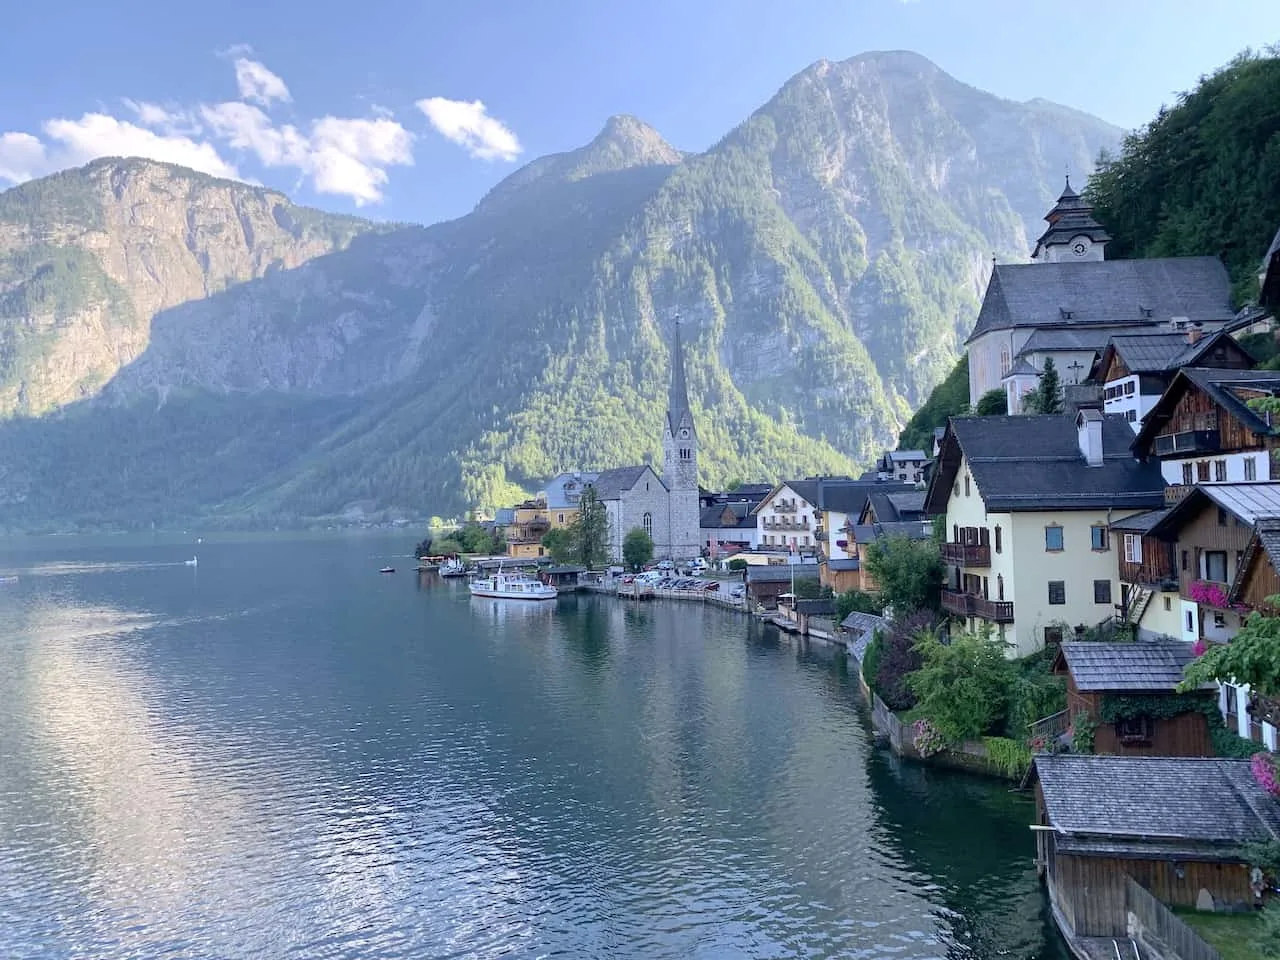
x=1266, y=537
x=850, y=563
x=867, y=623
x=611, y=484
x=779, y=572
x=678, y=395
x=911, y=529
x=1021, y=368
x=713, y=517
x=1139, y=522
x=1153, y=666
x=1268, y=532
x=1188, y=801
x=1069, y=338
x=1166, y=352
x=1114, y=292
x=817, y=607
x=1270, y=274
x=1034, y=463
x=564, y=569
x=842, y=494
x=893, y=505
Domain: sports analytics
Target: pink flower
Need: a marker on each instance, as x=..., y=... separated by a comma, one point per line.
x=1264, y=770
x=1200, y=647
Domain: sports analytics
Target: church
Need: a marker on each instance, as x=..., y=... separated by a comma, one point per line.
x=666, y=507
x=1070, y=300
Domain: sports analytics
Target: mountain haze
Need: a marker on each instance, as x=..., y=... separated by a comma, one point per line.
x=205, y=348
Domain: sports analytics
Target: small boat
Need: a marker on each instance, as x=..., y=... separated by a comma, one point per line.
x=512, y=586
x=8, y=579
x=453, y=567
x=387, y=570
x=194, y=561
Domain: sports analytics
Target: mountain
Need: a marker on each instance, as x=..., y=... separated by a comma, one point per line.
x=272, y=364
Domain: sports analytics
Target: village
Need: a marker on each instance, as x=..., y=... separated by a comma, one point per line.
x=1113, y=529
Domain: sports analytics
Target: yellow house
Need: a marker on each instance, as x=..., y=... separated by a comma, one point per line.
x=1028, y=502
x=532, y=521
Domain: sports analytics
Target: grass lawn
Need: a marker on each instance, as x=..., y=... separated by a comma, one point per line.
x=1232, y=934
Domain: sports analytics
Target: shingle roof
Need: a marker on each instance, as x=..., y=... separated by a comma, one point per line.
x=911, y=529
x=862, y=627
x=850, y=563
x=779, y=572
x=894, y=505
x=816, y=607
x=1069, y=338
x=908, y=455
x=1184, y=800
x=843, y=494
x=1166, y=352
x=1071, y=216
x=1115, y=292
x=611, y=484
x=1034, y=463
x=1140, y=522
x=1250, y=502
x=1153, y=666
x=713, y=517
x=1021, y=368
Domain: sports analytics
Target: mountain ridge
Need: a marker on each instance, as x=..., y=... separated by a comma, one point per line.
x=827, y=255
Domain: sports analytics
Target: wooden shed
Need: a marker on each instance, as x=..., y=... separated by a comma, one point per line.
x=1174, y=824
x=1133, y=674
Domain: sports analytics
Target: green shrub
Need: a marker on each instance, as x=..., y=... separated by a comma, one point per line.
x=871, y=660
x=963, y=686
x=738, y=563
x=1011, y=757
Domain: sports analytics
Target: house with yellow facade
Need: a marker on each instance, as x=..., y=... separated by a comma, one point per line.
x=1029, y=502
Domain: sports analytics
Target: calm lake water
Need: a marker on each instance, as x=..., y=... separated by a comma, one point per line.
x=281, y=753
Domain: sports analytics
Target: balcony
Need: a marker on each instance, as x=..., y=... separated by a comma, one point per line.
x=1176, y=494
x=967, y=554
x=778, y=523
x=1188, y=441
x=820, y=534
x=960, y=604
x=1209, y=593
x=997, y=611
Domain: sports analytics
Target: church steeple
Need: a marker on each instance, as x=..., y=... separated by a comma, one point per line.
x=678, y=394
x=1073, y=234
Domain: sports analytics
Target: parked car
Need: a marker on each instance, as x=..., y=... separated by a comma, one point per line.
x=711, y=585
x=666, y=565
x=697, y=565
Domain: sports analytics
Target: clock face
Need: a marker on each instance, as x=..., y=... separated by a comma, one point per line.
x=1079, y=248
x=684, y=433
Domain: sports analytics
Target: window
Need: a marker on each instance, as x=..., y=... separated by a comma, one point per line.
x=1250, y=468
x=541, y=551
x=1134, y=730
x=1202, y=471
x=1131, y=415
x=1129, y=388
x=1187, y=478
x=999, y=586
x=559, y=518
x=686, y=453
x=997, y=538
x=1052, y=636
x=1215, y=566
x=1184, y=560
x=966, y=485
x=956, y=488
x=1102, y=591
x=1057, y=592
x=648, y=524
x=1222, y=516
x=1132, y=548
x=1190, y=626
x=1168, y=604
x=1053, y=538
x=1219, y=620
x=1229, y=695
x=1220, y=471
x=1098, y=538
x=1004, y=361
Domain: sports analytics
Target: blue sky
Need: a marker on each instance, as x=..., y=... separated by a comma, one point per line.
x=372, y=107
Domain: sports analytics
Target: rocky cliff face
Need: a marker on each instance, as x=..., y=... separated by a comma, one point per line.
x=89, y=257
x=827, y=257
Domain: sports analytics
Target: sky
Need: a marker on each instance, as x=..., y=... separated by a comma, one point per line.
x=411, y=111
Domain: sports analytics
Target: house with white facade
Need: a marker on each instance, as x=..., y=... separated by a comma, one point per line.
x=1070, y=300
x=906, y=466
x=1028, y=501
x=1203, y=430
x=729, y=525
x=1136, y=369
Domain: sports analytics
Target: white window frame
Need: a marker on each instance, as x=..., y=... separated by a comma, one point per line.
x=1132, y=548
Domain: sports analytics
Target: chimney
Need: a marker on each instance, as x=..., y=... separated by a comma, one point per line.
x=1194, y=333
x=1089, y=436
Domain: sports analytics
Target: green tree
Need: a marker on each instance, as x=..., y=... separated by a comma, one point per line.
x=856, y=601
x=909, y=573
x=738, y=563
x=589, y=532
x=962, y=686
x=559, y=545
x=637, y=548
x=1047, y=397
x=993, y=403
x=950, y=398
x=810, y=588
x=1252, y=657
x=423, y=549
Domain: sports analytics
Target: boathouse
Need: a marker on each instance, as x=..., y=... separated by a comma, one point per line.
x=1175, y=825
x=765, y=583
x=1129, y=692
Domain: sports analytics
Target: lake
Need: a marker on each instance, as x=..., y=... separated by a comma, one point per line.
x=281, y=753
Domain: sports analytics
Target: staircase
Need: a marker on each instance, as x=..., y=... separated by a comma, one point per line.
x=1139, y=600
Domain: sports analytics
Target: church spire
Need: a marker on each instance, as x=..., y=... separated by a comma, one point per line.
x=678, y=396
x=1073, y=234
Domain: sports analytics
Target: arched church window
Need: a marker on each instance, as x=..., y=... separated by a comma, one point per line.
x=1004, y=361
x=648, y=524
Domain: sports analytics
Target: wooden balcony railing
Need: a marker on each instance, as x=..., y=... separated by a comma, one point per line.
x=960, y=604
x=967, y=554
x=997, y=611
x=1188, y=441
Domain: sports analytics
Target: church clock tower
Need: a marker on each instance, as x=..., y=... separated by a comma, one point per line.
x=1073, y=236
x=680, y=460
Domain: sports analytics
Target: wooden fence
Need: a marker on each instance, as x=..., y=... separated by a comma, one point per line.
x=1050, y=728
x=901, y=737
x=1159, y=923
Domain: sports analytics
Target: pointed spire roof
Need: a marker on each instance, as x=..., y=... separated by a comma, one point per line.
x=1071, y=217
x=678, y=395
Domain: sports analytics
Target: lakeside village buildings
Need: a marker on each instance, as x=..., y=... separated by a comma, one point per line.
x=1151, y=504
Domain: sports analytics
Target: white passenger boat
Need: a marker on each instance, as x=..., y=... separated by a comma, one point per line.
x=453, y=567
x=512, y=586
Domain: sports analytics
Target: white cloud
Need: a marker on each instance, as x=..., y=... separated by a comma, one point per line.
x=346, y=156
x=469, y=125
x=258, y=84
x=70, y=143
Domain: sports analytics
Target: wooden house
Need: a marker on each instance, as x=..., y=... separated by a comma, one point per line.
x=1175, y=825
x=1202, y=429
x=1256, y=580
x=765, y=584
x=1149, y=599
x=1143, y=671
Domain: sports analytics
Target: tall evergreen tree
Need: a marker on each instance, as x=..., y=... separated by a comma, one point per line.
x=1047, y=398
x=590, y=531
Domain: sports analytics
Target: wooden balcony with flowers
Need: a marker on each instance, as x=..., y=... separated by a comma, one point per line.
x=1209, y=593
